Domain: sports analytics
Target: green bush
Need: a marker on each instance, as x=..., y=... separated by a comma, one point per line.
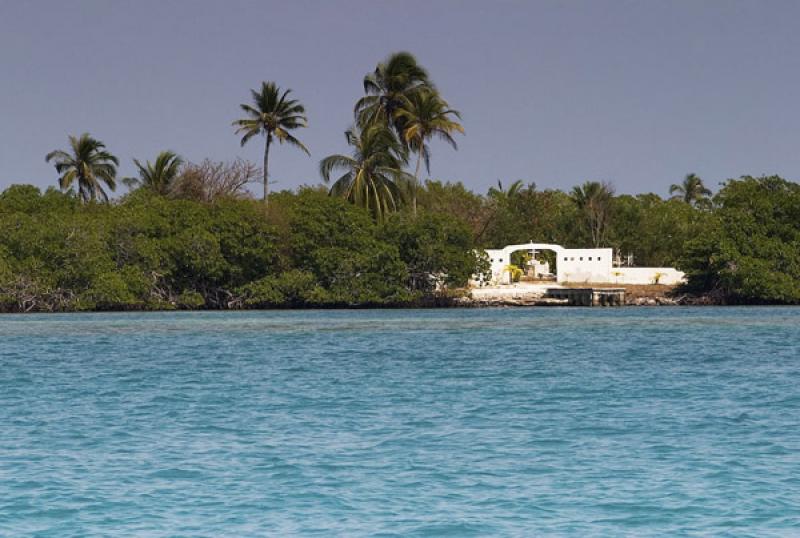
x=147, y=251
x=438, y=250
x=750, y=250
x=292, y=288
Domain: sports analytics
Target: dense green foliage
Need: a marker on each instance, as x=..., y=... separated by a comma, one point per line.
x=153, y=252
x=150, y=251
x=749, y=249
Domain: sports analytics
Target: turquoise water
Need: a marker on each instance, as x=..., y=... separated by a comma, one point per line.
x=518, y=422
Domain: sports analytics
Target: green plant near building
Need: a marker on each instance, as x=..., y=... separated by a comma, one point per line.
x=514, y=272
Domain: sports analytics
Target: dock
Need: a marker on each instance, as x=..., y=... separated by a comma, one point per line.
x=589, y=296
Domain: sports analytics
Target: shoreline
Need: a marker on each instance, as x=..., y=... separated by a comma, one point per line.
x=574, y=294
x=494, y=306
x=519, y=295
x=432, y=304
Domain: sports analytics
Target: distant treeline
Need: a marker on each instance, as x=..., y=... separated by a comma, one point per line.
x=152, y=252
x=306, y=248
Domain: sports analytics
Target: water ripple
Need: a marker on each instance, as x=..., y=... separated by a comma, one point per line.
x=545, y=422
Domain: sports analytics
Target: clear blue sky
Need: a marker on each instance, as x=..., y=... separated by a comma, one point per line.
x=637, y=93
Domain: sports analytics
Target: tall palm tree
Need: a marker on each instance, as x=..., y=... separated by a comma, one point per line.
x=157, y=176
x=594, y=201
x=397, y=77
x=88, y=164
x=370, y=176
x=425, y=115
x=691, y=190
x=273, y=115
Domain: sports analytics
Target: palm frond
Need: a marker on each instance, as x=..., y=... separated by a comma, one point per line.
x=335, y=162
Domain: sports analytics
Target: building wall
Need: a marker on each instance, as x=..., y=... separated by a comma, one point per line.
x=647, y=275
x=498, y=260
x=584, y=264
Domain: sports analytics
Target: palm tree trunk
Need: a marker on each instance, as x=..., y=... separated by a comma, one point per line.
x=266, y=167
x=414, y=187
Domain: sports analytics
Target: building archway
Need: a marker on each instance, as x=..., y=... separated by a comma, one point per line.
x=572, y=264
x=500, y=259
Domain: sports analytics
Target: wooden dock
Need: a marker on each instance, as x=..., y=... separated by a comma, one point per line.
x=589, y=296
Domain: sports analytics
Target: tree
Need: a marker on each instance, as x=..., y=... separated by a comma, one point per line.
x=501, y=195
x=392, y=81
x=273, y=115
x=500, y=221
x=371, y=174
x=749, y=248
x=593, y=200
x=340, y=245
x=522, y=213
x=425, y=115
x=437, y=248
x=88, y=164
x=692, y=191
x=454, y=199
x=652, y=229
x=209, y=181
x=158, y=176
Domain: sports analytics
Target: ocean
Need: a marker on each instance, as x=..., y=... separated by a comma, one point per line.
x=455, y=422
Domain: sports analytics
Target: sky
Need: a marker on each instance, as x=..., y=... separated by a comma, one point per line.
x=556, y=93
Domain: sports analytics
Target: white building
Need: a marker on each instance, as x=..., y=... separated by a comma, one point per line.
x=581, y=265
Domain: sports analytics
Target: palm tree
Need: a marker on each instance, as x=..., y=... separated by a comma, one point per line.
x=499, y=199
x=273, y=115
x=692, y=191
x=594, y=201
x=371, y=175
x=158, y=176
x=88, y=164
x=425, y=115
x=501, y=195
x=397, y=77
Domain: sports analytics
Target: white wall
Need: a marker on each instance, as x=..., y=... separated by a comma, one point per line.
x=584, y=264
x=578, y=265
x=647, y=275
x=500, y=258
